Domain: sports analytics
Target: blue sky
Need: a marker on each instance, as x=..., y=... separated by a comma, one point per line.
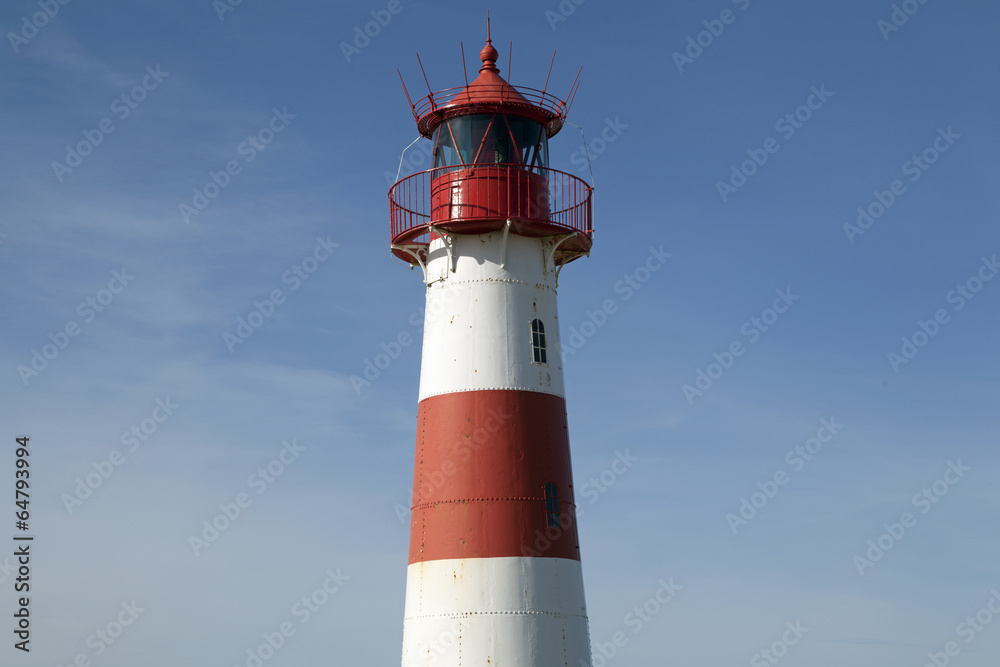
x=302, y=210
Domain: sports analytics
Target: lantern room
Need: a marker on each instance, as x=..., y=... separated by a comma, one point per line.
x=490, y=139
x=491, y=169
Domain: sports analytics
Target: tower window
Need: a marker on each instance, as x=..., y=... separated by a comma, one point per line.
x=538, y=342
x=551, y=505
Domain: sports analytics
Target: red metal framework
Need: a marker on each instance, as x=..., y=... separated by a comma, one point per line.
x=476, y=199
x=463, y=100
x=490, y=93
x=504, y=92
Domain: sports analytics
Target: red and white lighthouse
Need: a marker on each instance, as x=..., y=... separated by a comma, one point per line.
x=494, y=575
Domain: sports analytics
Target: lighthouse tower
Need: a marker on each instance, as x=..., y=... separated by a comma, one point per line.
x=494, y=574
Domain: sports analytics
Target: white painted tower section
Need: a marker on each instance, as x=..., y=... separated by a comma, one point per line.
x=495, y=611
x=477, y=326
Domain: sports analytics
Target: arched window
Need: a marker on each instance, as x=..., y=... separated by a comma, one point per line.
x=538, y=342
x=551, y=505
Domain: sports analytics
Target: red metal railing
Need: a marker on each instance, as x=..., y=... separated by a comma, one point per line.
x=443, y=98
x=550, y=200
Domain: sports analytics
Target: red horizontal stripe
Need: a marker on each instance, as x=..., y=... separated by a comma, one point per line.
x=482, y=461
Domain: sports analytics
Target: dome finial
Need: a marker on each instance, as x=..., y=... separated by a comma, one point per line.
x=489, y=54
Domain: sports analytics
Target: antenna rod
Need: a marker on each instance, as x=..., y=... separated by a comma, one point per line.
x=488, y=40
x=550, y=72
x=464, y=72
x=406, y=92
x=573, y=86
x=430, y=93
x=510, y=54
x=570, y=103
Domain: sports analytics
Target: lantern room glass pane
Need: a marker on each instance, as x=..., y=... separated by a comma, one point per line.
x=531, y=140
x=490, y=139
x=496, y=146
x=445, y=153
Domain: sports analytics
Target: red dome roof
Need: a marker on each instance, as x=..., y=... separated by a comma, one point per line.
x=489, y=93
x=489, y=87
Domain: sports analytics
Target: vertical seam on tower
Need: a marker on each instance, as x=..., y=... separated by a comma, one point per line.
x=565, y=652
x=423, y=515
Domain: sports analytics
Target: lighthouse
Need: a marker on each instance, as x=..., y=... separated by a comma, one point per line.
x=494, y=575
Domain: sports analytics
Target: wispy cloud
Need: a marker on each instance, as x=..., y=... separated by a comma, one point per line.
x=63, y=52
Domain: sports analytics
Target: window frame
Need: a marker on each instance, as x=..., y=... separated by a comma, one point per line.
x=539, y=346
x=551, y=492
